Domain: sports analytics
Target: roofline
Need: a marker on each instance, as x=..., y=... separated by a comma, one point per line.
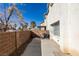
x=49, y=4
x=55, y=23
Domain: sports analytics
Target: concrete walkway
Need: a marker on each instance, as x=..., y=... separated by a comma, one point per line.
x=43, y=47
x=34, y=48
x=50, y=48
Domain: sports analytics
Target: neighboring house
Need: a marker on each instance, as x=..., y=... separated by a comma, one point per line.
x=62, y=21
x=42, y=26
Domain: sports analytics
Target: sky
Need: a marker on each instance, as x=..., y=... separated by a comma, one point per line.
x=30, y=12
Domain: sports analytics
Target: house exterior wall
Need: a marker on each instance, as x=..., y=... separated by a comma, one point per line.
x=73, y=28
x=43, y=24
x=67, y=14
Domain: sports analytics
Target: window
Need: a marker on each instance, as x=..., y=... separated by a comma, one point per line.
x=56, y=28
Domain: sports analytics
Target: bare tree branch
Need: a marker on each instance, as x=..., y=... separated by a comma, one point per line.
x=1, y=21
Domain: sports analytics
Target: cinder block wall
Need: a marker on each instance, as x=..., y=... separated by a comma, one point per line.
x=38, y=33
x=10, y=41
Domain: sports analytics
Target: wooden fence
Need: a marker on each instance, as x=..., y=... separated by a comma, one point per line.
x=14, y=43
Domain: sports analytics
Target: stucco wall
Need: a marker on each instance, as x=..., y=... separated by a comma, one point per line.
x=57, y=12
x=68, y=14
x=73, y=28
x=69, y=29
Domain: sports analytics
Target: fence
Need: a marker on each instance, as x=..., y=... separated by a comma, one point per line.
x=13, y=43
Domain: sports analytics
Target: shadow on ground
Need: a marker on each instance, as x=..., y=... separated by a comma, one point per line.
x=34, y=48
x=21, y=49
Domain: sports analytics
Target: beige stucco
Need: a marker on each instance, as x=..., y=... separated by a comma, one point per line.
x=43, y=24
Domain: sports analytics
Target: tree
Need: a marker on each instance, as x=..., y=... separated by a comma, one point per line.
x=22, y=23
x=5, y=20
x=15, y=25
x=33, y=24
x=20, y=29
x=10, y=11
x=25, y=25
